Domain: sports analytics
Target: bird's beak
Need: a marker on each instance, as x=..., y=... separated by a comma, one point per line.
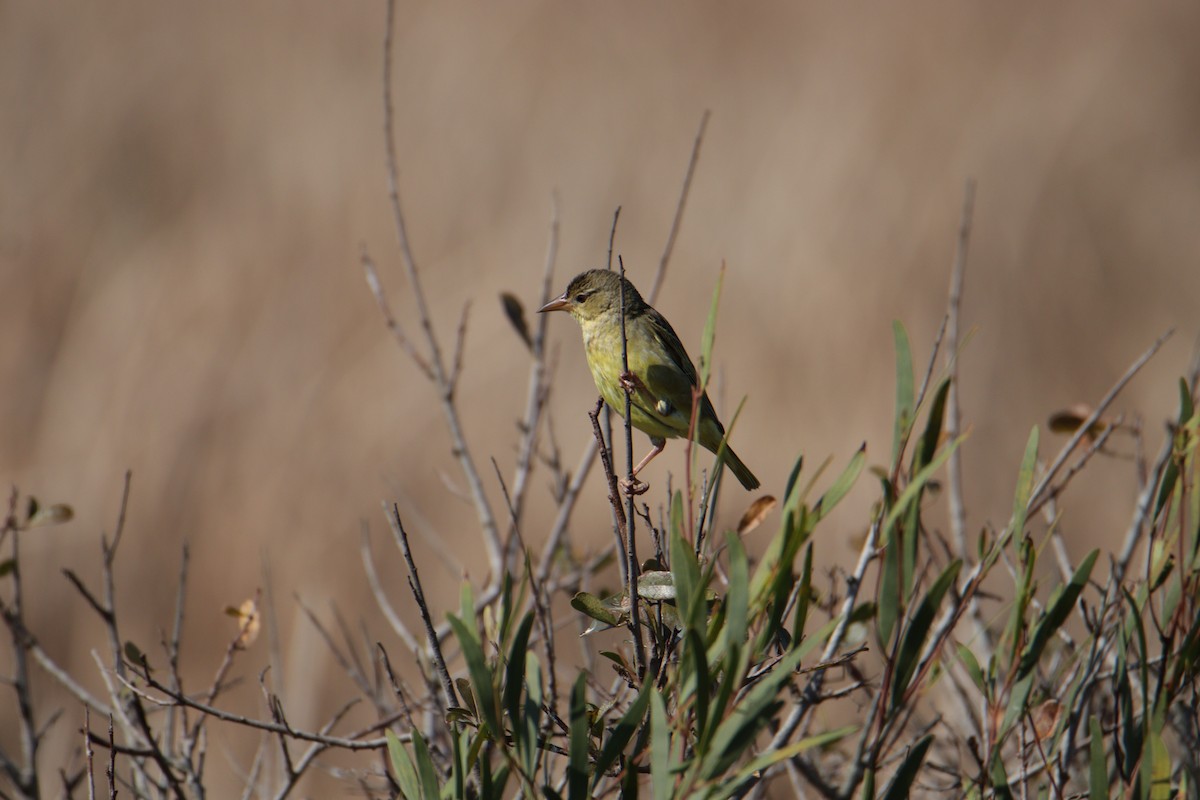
x=559, y=303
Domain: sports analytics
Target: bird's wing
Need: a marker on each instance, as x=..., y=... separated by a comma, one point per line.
x=673, y=380
x=676, y=385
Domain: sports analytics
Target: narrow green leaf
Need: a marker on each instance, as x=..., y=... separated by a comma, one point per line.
x=737, y=731
x=917, y=631
x=792, y=483
x=891, y=602
x=406, y=774
x=1024, y=484
x=916, y=486
x=903, y=780
x=1061, y=603
x=842, y=486
x=698, y=688
x=425, y=768
x=626, y=727
x=661, y=781
x=710, y=330
x=737, y=599
x=1186, y=409
x=904, y=388
x=482, y=680
x=764, y=762
x=933, y=428
x=803, y=596
x=972, y=666
x=577, y=753
x=526, y=728
x=1098, y=787
x=514, y=676
x=686, y=569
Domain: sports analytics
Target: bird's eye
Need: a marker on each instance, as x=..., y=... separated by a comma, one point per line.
x=579, y=298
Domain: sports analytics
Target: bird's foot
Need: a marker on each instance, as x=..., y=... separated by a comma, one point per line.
x=630, y=382
x=634, y=488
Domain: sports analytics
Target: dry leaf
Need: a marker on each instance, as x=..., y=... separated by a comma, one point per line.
x=249, y=622
x=1069, y=419
x=755, y=514
x=516, y=316
x=1045, y=718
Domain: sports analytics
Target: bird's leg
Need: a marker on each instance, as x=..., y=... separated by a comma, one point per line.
x=638, y=487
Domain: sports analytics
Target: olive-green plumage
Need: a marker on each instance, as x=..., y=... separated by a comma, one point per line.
x=663, y=375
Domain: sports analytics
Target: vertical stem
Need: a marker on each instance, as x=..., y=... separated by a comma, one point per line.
x=631, y=571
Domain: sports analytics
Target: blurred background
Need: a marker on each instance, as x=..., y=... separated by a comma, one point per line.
x=187, y=189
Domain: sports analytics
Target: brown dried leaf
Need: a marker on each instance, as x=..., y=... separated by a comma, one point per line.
x=1069, y=419
x=249, y=622
x=516, y=316
x=755, y=514
x=56, y=514
x=1045, y=718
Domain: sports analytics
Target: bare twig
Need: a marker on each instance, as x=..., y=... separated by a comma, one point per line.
x=958, y=513
x=1041, y=492
x=631, y=570
x=678, y=219
x=414, y=582
x=442, y=374
x=381, y=600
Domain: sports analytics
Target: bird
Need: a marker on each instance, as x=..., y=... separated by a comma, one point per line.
x=661, y=376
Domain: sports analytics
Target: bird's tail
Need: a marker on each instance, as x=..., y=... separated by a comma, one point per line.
x=740, y=470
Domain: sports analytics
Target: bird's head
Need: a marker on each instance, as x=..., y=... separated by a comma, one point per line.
x=594, y=294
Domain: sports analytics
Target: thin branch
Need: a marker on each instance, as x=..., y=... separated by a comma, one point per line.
x=1040, y=492
x=414, y=582
x=677, y=222
x=381, y=600
x=442, y=377
x=958, y=513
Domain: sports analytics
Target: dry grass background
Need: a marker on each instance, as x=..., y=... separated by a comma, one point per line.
x=186, y=188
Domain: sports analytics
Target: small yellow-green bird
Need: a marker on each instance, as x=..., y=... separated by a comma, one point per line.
x=661, y=375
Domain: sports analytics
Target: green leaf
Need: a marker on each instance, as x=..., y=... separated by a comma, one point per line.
x=902, y=781
x=577, y=753
x=514, y=676
x=599, y=610
x=737, y=599
x=1186, y=408
x=686, y=570
x=916, y=486
x=406, y=775
x=710, y=330
x=767, y=760
x=628, y=725
x=842, y=486
x=904, y=389
x=1098, y=787
x=933, y=428
x=1024, y=486
x=1062, y=601
x=736, y=732
x=917, y=631
x=482, y=680
x=697, y=689
x=972, y=666
x=425, y=768
x=661, y=781
x=803, y=596
x=526, y=728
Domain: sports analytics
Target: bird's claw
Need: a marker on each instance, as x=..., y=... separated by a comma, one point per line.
x=630, y=382
x=634, y=488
